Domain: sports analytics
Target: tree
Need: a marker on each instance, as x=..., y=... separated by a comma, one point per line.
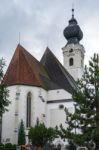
x=4, y=93
x=70, y=146
x=21, y=134
x=83, y=124
x=41, y=135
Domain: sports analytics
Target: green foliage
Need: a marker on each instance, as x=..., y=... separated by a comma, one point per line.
x=21, y=134
x=85, y=119
x=1, y=146
x=4, y=102
x=71, y=146
x=40, y=134
x=7, y=146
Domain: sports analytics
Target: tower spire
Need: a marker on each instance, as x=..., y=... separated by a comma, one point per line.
x=72, y=32
x=73, y=10
x=73, y=51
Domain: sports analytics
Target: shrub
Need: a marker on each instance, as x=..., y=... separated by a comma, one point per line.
x=1, y=146
x=7, y=146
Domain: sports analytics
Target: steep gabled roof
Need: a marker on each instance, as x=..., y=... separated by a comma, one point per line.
x=24, y=69
x=57, y=72
x=49, y=74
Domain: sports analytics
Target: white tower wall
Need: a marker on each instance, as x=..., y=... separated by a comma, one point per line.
x=76, y=52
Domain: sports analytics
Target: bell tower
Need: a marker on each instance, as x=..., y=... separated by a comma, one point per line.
x=73, y=51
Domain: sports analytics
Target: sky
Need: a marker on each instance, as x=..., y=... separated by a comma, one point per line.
x=40, y=23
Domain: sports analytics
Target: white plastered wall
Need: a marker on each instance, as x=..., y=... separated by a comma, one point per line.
x=78, y=56
x=49, y=113
x=10, y=122
x=55, y=115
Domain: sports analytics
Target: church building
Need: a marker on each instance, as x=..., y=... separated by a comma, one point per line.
x=42, y=89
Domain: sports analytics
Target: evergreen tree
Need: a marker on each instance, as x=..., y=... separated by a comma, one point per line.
x=4, y=102
x=71, y=146
x=83, y=124
x=4, y=93
x=21, y=134
x=40, y=135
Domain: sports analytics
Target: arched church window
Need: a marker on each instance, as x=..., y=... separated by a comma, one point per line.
x=28, y=117
x=71, y=62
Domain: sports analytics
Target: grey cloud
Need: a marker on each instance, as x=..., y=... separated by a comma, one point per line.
x=41, y=24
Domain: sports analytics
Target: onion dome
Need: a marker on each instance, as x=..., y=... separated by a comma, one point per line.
x=72, y=32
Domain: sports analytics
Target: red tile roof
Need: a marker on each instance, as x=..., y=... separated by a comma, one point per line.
x=49, y=74
x=24, y=69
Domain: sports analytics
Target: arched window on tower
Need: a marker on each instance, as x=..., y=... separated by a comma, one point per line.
x=28, y=116
x=71, y=62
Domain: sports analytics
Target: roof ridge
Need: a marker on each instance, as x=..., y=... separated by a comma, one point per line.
x=44, y=54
